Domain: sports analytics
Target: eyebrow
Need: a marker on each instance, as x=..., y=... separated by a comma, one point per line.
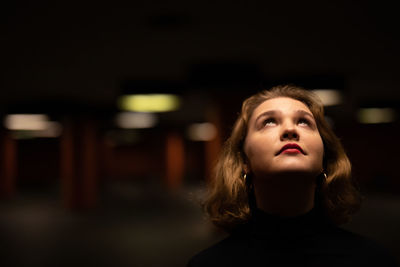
x=304, y=113
x=274, y=112
x=267, y=113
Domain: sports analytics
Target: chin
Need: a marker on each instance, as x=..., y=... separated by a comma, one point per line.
x=295, y=170
x=294, y=165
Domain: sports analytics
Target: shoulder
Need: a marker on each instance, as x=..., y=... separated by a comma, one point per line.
x=350, y=239
x=227, y=252
x=358, y=246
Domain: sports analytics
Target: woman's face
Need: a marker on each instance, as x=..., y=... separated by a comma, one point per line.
x=282, y=137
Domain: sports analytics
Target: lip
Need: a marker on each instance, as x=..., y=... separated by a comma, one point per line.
x=291, y=148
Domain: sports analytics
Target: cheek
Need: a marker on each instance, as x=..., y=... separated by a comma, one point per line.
x=249, y=150
x=319, y=150
x=256, y=149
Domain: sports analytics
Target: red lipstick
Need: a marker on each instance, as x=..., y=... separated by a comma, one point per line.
x=291, y=148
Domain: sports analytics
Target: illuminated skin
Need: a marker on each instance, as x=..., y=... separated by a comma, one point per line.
x=287, y=178
x=277, y=122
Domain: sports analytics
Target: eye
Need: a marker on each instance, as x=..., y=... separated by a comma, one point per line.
x=304, y=121
x=269, y=122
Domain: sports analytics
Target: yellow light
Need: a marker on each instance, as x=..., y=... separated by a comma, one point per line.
x=149, y=102
x=329, y=97
x=376, y=115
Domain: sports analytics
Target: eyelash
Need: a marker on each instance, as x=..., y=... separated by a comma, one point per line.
x=301, y=120
x=268, y=121
x=304, y=120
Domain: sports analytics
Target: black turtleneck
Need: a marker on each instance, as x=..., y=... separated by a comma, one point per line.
x=306, y=240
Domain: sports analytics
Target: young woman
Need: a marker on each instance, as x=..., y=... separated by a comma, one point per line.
x=282, y=185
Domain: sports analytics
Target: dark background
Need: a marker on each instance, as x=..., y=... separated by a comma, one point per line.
x=72, y=60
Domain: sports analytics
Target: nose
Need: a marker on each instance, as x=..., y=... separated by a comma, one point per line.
x=289, y=133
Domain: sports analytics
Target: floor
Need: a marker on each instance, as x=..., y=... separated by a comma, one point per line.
x=138, y=225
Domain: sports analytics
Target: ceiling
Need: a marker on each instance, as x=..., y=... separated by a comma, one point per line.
x=65, y=52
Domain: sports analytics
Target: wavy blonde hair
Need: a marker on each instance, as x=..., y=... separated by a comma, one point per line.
x=227, y=203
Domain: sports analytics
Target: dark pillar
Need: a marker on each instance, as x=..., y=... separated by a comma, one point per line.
x=175, y=160
x=79, y=163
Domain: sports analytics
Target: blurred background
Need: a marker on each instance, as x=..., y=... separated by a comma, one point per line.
x=112, y=116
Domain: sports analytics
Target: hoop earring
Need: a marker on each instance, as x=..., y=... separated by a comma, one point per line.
x=247, y=182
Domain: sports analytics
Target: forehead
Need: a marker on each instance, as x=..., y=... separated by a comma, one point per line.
x=283, y=104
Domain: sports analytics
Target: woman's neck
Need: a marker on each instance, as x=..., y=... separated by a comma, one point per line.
x=285, y=196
